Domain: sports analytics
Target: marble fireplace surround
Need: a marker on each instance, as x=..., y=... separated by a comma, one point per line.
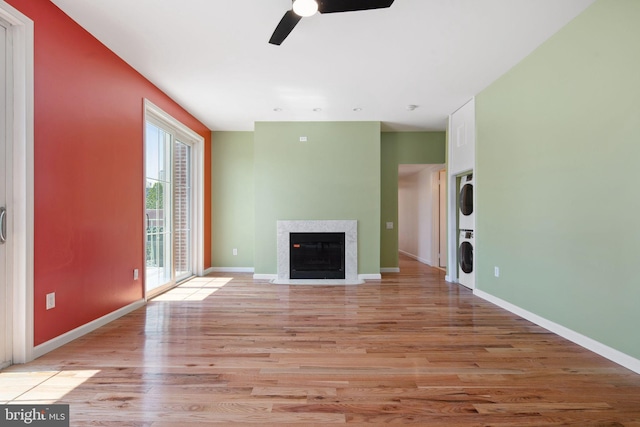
x=348, y=227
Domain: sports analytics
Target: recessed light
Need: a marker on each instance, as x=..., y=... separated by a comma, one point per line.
x=277, y=109
x=357, y=109
x=317, y=110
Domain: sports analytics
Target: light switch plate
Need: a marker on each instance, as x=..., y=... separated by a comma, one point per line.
x=51, y=300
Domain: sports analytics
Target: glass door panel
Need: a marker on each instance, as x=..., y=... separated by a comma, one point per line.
x=182, y=209
x=168, y=209
x=158, y=210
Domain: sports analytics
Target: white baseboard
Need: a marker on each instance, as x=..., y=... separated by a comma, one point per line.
x=390, y=270
x=369, y=276
x=84, y=329
x=416, y=257
x=229, y=270
x=258, y=276
x=603, y=350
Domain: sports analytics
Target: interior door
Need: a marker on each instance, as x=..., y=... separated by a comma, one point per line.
x=5, y=330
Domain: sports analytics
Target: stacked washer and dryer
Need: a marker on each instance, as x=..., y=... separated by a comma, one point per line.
x=466, y=228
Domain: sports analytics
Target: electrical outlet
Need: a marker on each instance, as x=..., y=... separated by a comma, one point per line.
x=235, y=251
x=51, y=300
x=496, y=271
x=135, y=274
x=389, y=225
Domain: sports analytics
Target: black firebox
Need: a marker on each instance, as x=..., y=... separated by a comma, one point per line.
x=316, y=256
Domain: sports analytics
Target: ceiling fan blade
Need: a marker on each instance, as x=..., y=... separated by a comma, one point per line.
x=332, y=6
x=287, y=23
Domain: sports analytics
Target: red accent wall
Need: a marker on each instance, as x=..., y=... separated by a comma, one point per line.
x=88, y=154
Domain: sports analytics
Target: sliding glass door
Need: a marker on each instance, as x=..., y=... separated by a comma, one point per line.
x=168, y=209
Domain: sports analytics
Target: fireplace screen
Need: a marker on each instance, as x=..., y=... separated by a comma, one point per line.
x=316, y=256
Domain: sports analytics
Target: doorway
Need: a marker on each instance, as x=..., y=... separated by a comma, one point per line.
x=16, y=182
x=419, y=212
x=171, y=208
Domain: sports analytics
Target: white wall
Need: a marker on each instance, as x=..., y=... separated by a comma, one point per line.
x=408, y=223
x=416, y=204
x=462, y=139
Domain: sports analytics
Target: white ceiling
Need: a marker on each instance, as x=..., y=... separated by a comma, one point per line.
x=213, y=56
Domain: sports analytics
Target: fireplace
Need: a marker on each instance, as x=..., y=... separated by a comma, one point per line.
x=310, y=230
x=316, y=256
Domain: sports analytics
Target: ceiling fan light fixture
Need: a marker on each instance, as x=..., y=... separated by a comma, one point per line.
x=305, y=8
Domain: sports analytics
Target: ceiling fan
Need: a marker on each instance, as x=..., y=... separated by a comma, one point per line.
x=303, y=8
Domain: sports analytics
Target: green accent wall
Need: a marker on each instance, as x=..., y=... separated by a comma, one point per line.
x=402, y=148
x=389, y=200
x=335, y=174
x=558, y=146
x=232, y=199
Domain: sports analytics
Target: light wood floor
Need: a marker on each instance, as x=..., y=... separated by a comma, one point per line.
x=410, y=349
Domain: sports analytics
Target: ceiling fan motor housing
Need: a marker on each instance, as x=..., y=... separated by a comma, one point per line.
x=309, y=7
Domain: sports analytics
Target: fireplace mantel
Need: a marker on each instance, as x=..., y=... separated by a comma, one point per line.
x=349, y=227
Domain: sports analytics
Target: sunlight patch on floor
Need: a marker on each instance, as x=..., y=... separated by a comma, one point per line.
x=42, y=387
x=196, y=289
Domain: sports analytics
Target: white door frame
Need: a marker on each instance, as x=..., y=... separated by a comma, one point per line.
x=435, y=215
x=452, y=231
x=20, y=188
x=439, y=179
